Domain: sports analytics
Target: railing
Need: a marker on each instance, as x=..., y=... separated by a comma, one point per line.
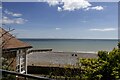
x=19, y=76
x=40, y=50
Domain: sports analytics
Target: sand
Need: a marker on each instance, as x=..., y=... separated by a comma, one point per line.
x=57, y=58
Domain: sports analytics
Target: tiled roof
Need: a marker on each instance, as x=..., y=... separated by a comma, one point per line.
x=10, y=42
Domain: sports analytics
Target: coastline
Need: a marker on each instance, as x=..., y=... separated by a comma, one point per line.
x=56, y=59
x=71, y=45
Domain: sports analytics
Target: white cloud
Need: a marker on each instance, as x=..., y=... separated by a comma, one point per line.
x=104, y=29
x=19, y=21
x=52, y=2
x=17, y=15
x=0, y=7
x=99, y=8
x=68, y=5
x=71, y=5
x=12, y=14
x=57, y=28
x=14, y=18
x=7, y=20
x=59, y=9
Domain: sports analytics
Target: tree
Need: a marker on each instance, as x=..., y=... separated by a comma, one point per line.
x=105, y=67
x=5, y=63
x=1, y=37
x=119, y=45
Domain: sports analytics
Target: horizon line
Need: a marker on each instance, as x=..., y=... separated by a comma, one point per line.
x=72, y=38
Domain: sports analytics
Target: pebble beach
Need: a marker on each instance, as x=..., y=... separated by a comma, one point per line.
x=57, y=58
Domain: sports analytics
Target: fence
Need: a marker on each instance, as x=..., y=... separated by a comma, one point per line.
x=11, y=75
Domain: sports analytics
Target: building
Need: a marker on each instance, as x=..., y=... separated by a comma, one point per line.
x=15, y=51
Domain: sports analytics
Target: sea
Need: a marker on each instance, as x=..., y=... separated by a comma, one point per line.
x=73, y=45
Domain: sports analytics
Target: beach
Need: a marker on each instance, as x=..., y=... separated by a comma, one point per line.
x=66, y=51
x=57, y=58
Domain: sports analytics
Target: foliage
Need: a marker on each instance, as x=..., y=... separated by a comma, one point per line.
x=105, y=67
x=118, y=45
x=8, y=77
x=5, y=64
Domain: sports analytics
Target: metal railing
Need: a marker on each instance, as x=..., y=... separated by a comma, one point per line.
x=19, y=76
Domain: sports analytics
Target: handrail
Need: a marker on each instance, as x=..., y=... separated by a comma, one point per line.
x=39, y=50
x=24, y=75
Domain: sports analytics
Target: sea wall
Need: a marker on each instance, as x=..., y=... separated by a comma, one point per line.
x=61, y=71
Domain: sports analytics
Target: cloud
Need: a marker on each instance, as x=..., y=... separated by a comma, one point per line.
x=52, y=2
x=12, y=18
x=104, y=29
x=0, y=7
x=99, y=8
x=68, y=5
x=19, y=21
x=59, y=9
x=17, y=15
x=7, y=20
x=12, y=14
x=71, y=5
x=57, y=28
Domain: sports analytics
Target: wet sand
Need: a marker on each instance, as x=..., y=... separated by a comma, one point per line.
x=57, y=58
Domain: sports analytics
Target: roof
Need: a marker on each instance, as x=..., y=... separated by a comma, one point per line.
x=10, y=42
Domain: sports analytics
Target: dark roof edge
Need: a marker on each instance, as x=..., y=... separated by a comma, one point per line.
x=17, y=48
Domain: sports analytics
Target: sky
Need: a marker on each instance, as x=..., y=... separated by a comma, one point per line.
x=59, y=0
x=69, y=20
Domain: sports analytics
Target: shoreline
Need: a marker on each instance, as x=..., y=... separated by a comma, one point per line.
x=57, y=58
x=77, y=52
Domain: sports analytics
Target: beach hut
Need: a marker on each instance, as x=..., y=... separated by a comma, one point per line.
x=15, y=51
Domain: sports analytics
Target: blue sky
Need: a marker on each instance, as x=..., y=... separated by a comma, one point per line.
x=43, y=20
